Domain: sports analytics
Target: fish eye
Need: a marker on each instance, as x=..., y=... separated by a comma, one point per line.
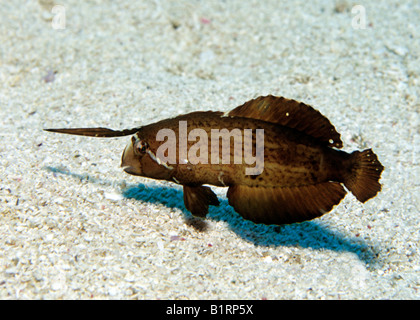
x=141, y=146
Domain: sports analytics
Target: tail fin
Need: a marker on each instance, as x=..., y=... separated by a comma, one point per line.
x=363, y=178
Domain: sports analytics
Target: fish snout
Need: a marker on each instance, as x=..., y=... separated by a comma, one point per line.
x=130, y=162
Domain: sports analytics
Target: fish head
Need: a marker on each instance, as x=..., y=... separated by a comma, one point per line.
x=132, y=155
x=139, y=159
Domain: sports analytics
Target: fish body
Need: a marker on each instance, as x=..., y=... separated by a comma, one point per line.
x=290, y=157
x=279, y=158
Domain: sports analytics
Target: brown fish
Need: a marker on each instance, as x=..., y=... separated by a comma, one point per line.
x=298, y=174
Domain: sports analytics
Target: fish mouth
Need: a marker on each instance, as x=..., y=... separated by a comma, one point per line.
x=131, y=170
x=130, y=162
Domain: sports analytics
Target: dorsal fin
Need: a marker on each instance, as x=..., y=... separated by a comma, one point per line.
x=292, y=114
x=96, y=132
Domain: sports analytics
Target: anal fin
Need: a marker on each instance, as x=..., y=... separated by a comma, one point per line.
x=197, y=199
x=285, y=205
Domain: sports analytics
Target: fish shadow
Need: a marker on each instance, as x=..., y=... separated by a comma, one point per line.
x=308, y=234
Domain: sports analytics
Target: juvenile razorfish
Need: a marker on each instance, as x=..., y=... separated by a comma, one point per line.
x=302, y=173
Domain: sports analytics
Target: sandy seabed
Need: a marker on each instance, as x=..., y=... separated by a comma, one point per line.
x=74, y=226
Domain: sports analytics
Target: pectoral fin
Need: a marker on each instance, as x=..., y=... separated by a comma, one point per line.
x=198, y=199
x=285, y=205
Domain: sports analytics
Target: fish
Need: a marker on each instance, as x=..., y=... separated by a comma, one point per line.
x=284, y=166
